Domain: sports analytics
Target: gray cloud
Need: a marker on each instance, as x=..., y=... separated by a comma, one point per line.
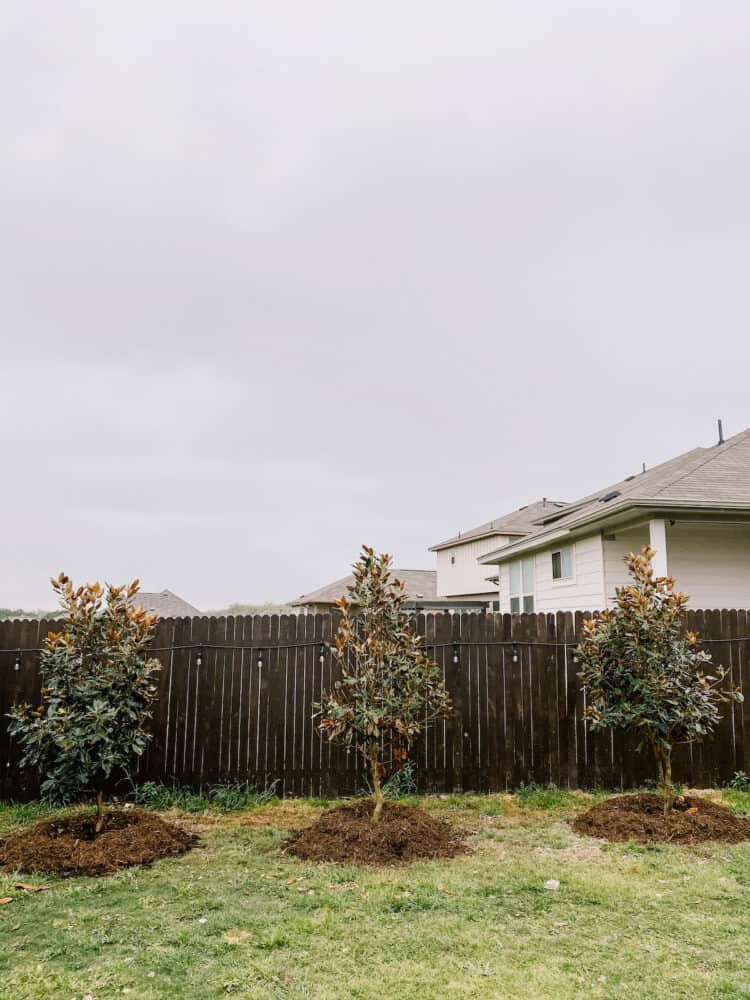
x=277, y=280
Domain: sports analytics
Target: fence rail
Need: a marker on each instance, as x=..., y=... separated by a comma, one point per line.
x=236, y=697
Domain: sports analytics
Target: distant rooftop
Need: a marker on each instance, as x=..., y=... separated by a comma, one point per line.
x=165, y=604
x=717, y=477
x=518, y=522
x=421, y=585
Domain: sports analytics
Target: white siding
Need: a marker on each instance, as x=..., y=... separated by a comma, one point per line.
x=584, y=592
x=711, y=563
x=615, y=551
x=466, y=577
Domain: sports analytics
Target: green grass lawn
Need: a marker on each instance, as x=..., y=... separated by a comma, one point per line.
x=239, y=918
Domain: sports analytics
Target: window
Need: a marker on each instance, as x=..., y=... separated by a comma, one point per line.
x=562, y=564
x=522, y=586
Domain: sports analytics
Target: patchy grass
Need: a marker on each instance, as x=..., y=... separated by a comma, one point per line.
x=487, y=805
x=237, y=917
x=547, y=797
x=738, y=801
x=224, y=798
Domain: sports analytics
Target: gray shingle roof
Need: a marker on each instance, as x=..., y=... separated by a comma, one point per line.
x=165, y=604
x=421, y=585
x=717, y=477
x=518, y=522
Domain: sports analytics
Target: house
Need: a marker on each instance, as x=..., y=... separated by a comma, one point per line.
x=420, y=586
x=165, y=604
x=693, y=510
x=420, y=592
x=460, y=575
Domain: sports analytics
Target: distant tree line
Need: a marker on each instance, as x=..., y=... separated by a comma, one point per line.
x=254, y=609
x=232, y=609
x=6, y=613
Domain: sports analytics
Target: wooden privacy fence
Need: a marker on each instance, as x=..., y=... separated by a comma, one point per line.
x=236, y=700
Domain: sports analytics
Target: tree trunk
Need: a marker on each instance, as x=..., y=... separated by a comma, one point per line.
x=375, y=772
x=98, y=827
x=664, y=764
x=668, y=786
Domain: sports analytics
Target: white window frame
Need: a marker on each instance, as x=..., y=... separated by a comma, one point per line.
x=570, y=578
x=525, y=594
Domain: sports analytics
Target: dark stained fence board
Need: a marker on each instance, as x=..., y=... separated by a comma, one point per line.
x=264, y=665
x=309, y=655
x=274, y=721
x=571, y=686
x=9, y=689
x=722, y=761
x=736, y=624
x=203, y=700
x=492, y=677
x=231, y=737
x=695, y=622
x=155, y=756
x=506, y=687
x=441, y=635
x=518, y=708
x=21, y=683
x=743, y=649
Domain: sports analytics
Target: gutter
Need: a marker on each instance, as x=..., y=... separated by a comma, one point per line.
x=534, y=542
x=469, y=537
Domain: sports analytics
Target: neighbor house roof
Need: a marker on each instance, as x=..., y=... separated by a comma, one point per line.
x=518, y=522
x=165, y=604
x=421, y=585
x=716, y=478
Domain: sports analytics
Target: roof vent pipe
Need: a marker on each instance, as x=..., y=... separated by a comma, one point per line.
x=721, y=434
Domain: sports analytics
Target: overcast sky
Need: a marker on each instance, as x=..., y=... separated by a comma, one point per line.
x=277, y=279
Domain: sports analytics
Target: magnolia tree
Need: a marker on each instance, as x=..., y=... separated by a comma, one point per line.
x=97, y=693
x=643, y=674
x=389, y=690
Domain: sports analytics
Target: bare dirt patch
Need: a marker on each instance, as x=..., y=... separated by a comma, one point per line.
x=577, y=852
x=236, y=936
x=640, y=817
x=68, y=847
x=347, y=835
x=287, y=815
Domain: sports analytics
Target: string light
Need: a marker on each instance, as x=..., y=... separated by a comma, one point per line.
x=515, y=653
x=322, y=655
x=260, y=659
x=17, y=664
x=456, y=654
x=199, y=657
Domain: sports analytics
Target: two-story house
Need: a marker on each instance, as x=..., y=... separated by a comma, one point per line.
x=694, y=511
x=460, y=573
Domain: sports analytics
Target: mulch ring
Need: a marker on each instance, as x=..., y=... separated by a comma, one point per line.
x=641, y=818
x=347, y=834
x=67, y=846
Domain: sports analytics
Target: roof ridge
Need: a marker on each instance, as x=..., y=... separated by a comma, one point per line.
x=624, y=484
x=712, y=456
x=513, y=522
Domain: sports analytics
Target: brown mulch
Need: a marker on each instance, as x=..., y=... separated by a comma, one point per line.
x=347, y=834
x=67, y=846
x=641, y=818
